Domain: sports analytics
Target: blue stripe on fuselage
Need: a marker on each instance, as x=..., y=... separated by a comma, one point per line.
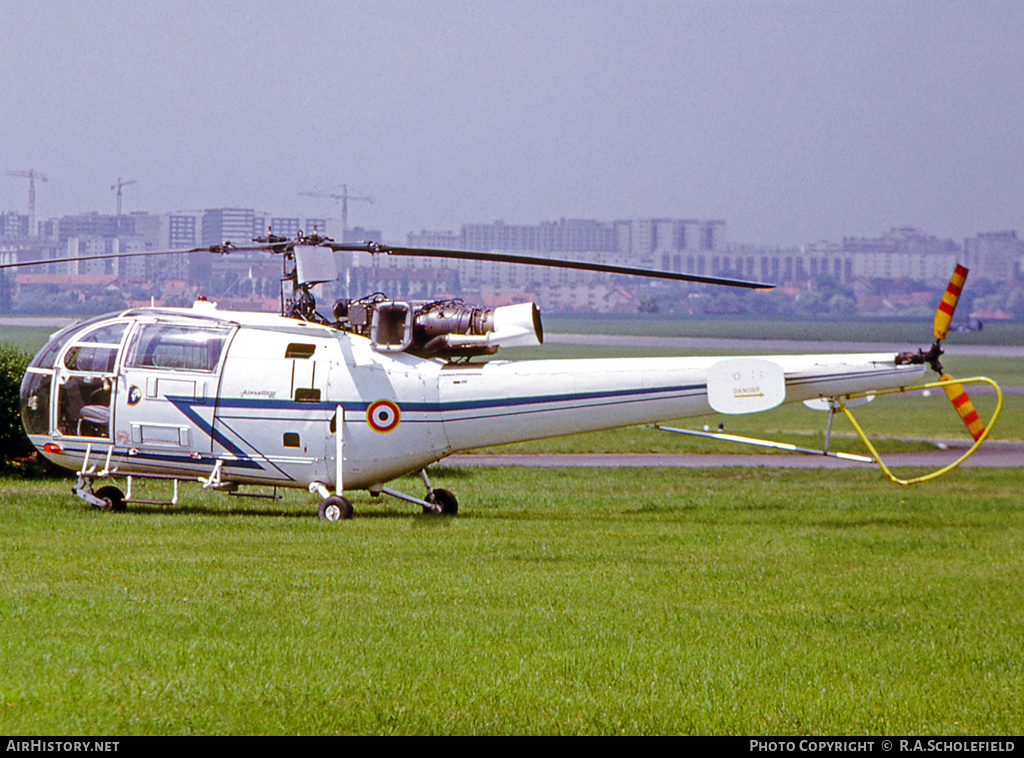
x=306, y=410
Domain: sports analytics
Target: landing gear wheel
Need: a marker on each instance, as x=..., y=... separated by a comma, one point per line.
x=445, y=499
x=113, y=497
x=334, y=508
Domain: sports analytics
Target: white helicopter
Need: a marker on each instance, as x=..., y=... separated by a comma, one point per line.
x=383, y=389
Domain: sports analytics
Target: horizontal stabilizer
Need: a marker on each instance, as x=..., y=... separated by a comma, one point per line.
x=831, y=404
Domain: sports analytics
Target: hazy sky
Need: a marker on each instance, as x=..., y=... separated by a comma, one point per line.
x=793, y=121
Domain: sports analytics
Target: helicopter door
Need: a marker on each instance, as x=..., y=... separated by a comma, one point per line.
x=271, y=409
x=85, y=383
x=167, y=389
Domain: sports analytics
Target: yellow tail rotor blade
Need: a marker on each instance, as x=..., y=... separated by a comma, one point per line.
x=945, y=312
x=958, y=397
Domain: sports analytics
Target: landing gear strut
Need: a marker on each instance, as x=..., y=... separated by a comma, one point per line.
x=334, y=507
x=107, y=498
x=439, y=502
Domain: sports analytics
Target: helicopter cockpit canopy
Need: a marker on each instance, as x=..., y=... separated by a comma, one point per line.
x=80, y=360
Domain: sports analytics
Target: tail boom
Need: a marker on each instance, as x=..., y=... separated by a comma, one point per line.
x=498, y=403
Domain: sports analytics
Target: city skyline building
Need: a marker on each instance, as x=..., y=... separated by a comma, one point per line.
x=14, y=224
x=682, y=245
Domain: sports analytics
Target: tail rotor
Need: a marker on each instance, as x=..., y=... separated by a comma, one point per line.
x=944, y=313
x=953, y=389
x=963, y=405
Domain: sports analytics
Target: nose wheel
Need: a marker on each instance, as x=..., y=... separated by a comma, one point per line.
x=112, y=498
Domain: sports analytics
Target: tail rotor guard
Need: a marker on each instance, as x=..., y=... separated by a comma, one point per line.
x=955, y=391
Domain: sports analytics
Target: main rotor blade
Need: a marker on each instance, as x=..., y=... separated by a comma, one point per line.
x=374, y=248
x=220, y=249
x=529, y=260
x=944, y=314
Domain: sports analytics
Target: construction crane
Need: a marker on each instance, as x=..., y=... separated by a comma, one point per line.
x=31, y=175
x=118, y=185
x=343, y=198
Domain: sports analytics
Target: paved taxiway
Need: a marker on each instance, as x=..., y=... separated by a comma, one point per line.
x=992, y=454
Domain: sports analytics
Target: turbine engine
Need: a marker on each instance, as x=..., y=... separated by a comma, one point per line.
x=446, y=329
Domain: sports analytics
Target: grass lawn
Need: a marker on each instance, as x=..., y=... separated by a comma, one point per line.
x=559, y=601
x=562, y=601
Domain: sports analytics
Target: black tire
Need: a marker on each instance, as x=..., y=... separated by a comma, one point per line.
x=334, y=508
x=113, y=497
x=449, y=504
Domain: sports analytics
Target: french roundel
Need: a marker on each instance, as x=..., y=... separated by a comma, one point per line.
x=383, y=416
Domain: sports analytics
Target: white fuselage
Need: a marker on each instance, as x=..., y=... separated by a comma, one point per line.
x=175, y=391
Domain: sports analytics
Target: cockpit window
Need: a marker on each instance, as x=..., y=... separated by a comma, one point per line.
x=96, y=351
x=46, y=357
x=96, y=359
x=107, y=335
x=83, y=406
x=35, y=402
x=182, y=348
x=110, y=334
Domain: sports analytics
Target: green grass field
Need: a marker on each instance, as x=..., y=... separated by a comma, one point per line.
x=559, y=601
x=629, y=601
